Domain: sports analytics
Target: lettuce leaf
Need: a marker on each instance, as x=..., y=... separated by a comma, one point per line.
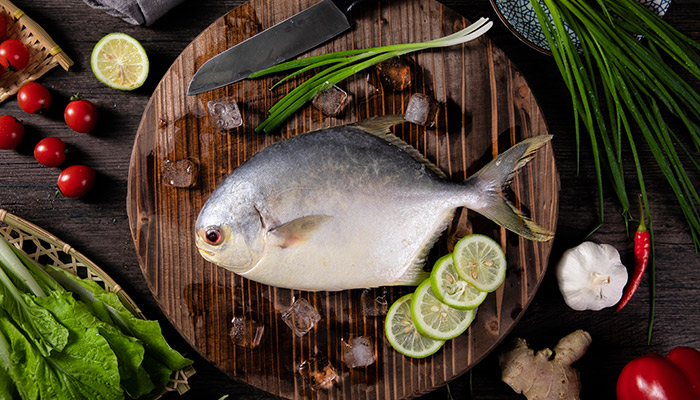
x=64, y=337
x=84, y=369
x=159, y=361
x=46, y=333
x=88, y=365
x=8, y=391
x=147, y=331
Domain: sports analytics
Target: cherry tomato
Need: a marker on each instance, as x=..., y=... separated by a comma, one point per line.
x=11, y=132
x=13, y=54
x=652, y=377
x=33, y=98
x=76, y=180
x=688, y=360
x=81, y=115
x=50, y=151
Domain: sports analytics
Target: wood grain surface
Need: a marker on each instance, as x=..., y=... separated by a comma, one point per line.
x=485, y=107
x=97, y=224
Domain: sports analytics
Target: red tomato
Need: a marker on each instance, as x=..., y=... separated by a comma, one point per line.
x=13, y=54
x=81, y=115
x=11, y=132
x=652, y=377
x=50, y=151
x=688, y=360
x=76, y=180
x=33, y=97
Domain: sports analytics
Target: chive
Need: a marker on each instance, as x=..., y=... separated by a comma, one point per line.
x=343, y=64
x=627, y=80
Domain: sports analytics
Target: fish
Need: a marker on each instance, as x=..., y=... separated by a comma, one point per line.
x=348, y=207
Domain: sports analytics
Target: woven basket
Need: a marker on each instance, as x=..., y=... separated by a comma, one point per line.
x=44, y=53
x=45, y=248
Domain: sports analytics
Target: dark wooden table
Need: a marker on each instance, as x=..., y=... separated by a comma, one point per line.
x=97, y=225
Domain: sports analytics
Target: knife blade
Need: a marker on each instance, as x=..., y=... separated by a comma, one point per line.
x=289, y=38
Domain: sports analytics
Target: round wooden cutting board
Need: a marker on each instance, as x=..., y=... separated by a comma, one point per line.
x=485, y=107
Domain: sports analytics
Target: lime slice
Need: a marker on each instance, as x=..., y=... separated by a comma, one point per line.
x=402, y=334
x=451, y=289
x=119, y=61
x=435, y=319
x=480, y=261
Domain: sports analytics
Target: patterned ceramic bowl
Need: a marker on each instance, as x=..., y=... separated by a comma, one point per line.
x=520, y=18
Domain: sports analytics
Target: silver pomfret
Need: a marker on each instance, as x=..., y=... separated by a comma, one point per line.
x=347, y=207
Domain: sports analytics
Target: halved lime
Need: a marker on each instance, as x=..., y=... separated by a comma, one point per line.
x=119, y=61
x=480, y=261
x=451, y=289
x=436, y=319
x=402, y=334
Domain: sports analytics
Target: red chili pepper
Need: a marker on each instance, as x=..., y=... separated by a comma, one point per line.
x=642, y=245
x=652, y=377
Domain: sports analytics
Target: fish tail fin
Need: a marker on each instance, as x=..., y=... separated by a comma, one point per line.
x=496, y=175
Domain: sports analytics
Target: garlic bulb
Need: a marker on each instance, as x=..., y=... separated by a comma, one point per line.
x=591, y=276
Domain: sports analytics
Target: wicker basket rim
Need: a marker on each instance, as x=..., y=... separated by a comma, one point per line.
x=26, y=226
x=45, y=53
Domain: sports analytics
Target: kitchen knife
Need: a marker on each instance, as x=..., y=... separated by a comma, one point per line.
x=289, y=38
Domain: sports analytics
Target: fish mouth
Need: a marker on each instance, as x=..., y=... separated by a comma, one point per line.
x=206, y=254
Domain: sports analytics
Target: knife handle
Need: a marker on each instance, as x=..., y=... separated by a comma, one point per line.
x=347, y=5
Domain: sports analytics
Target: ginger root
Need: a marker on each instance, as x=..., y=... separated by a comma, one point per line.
x=538, y=376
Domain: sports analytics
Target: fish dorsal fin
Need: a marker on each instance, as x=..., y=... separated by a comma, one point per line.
x=380, y=127
x=298, y=230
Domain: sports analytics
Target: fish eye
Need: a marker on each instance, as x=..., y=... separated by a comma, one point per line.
x=213, y=235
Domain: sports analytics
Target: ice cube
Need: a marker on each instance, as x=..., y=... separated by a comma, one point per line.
x=180, y=173
x=374, y=303
x=301, y=317
x=224, y=113
x=318, y=372
x=358, y=352
x=330, y=100
x=421, y=109
x=395, y=73
x=246, y=332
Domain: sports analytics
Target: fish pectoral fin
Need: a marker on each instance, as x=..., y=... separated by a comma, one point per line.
x=298, y=230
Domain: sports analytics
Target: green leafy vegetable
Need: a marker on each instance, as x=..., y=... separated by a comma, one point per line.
x=75, y=341
x=87, y=364
x=14, y=267
x=343, y=64
x=162, y=358
x=43, y=329
x=618, y=83
x=7, y=387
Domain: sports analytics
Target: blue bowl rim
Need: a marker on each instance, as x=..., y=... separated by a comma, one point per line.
x=524, y=39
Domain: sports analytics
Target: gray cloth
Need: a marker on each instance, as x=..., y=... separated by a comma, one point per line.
x=137, y=12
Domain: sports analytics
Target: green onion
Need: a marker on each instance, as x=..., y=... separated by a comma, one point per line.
x=343, y=64
x=621, y=87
